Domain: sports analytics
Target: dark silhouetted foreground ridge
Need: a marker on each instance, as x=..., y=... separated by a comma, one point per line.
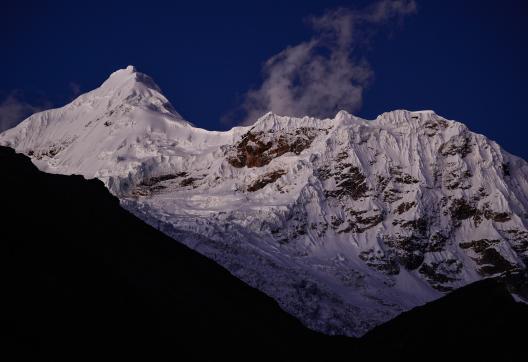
x=83, y=279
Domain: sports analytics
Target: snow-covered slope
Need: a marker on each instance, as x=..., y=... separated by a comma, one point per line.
x=117, y=132
x=345, y=222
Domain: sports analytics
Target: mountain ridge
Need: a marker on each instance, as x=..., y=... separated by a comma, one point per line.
x=345, y=222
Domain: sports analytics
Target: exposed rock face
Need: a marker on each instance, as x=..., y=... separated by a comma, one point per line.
x=257, y=149
x=488, y=258
x=265, y=180
x=345, y=222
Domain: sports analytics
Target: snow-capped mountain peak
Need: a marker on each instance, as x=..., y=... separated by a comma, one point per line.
x=128, y=86
x=128, y=80
x=106, y=132
x=346, y=222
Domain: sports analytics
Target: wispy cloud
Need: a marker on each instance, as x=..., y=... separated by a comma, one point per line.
x=14, y=109
x=329, y=72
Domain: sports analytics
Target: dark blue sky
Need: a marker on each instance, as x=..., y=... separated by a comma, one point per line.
x=464, y=59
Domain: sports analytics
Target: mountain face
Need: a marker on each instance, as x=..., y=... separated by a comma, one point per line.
x=82, y=278
x=345, y=222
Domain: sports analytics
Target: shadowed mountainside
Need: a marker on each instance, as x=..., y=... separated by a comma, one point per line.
x=481, y=320
x=83, y=278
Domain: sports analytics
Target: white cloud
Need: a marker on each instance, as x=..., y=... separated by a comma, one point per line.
x=325, y=74
x=14, y=110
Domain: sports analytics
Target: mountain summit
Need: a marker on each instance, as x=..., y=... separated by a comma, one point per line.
x=346, y=222
x=105, y=131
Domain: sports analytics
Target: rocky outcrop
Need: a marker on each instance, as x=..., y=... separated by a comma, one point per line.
x=266, y=179
x=257, y=149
